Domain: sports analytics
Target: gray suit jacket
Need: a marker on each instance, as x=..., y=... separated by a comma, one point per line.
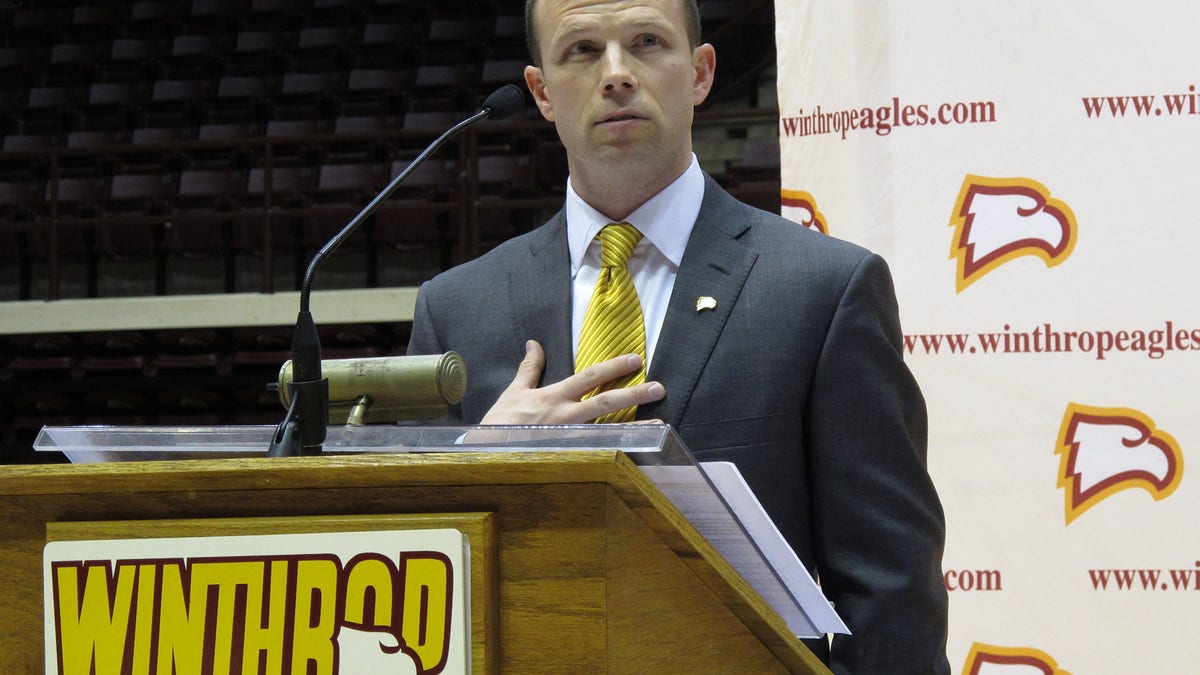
x=796, y=376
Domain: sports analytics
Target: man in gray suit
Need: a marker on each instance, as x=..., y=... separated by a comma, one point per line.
x=767, y=344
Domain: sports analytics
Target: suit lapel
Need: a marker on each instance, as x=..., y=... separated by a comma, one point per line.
x=541, y=298
x=715, y=265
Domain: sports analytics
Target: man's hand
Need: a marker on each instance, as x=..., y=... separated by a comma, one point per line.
x=523, y=403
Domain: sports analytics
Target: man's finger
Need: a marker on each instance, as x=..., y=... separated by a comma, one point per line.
x=599, y=374
x=614, y=400
x=530, y=369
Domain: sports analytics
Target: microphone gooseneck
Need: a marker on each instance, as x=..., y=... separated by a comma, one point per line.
x=499, y=104
x=303, y=430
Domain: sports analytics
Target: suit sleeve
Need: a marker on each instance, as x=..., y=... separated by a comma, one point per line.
x=424, y=340
x=879, y=526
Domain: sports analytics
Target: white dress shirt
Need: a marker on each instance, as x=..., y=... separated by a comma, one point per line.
x=665, y=221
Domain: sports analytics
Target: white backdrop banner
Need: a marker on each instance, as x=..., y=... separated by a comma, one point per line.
x=1028, y=170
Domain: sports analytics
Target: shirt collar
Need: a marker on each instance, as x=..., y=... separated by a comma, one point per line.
x=665, y=220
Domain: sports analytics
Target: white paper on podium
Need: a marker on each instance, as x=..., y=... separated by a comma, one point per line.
x=736, y=525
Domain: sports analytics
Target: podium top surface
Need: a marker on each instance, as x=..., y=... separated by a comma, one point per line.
x=655, y=444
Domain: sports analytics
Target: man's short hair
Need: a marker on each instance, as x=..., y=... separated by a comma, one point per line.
x=691, y=14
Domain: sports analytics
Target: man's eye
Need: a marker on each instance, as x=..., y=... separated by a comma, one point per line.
x=648, y=40
x=582, y=48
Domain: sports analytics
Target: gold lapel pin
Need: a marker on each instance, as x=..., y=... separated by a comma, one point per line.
x=705, y=302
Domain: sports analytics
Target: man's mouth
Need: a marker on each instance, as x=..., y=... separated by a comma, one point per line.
x=620, y=117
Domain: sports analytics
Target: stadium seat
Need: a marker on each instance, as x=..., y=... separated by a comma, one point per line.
x=350, y=183
x=256, y=404
x=155, y=13
x=85, y=54
x=22, y=240
x=56, y=97
x=376, y=80
x=79, y=196
x=376, y=91
x=245, y=87
x=88, y=139
x=432, y=178
x=510, y=71
x=261, y=344
x=509, y=26
x=452, y=29
x=200, y=45
x=311, y=83
x=252, y=41
x=430, y=120
x=180, y=90
x=228, y=130
x=242, y=98
x=314, y=37
x=260, y=53
x=353, y=340
x=19, y=197
x=358, y=124
x=118, y=406
x=143, y=192
x=137, y=49
x=177, y=102
x=211, y=188
x=41, y=404
x=759, y=163
x=388, y=36
x=443, y=76
x=503, y=174
x=191, y=406
x=29, y=141
x=117, y=93
x=152, y=135
x=43, y=355
x=291, y=186
x=197, y=349
x=314, y=92
x=112, y=352
x=302, y=127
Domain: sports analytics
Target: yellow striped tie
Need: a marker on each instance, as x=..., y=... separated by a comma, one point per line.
x=613, y=324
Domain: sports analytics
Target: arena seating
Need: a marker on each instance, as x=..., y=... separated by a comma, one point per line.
x=178, y=146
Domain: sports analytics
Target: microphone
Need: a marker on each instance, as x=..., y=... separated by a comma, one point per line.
x=388, y=388
x=504, y=101
x=302, y=431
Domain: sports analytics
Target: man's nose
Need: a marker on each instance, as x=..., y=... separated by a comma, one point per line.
x=617, y=74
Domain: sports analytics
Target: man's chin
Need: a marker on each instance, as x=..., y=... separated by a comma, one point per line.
x=625, y=149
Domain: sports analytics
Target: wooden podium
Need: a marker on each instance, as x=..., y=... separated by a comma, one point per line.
x=579, y=564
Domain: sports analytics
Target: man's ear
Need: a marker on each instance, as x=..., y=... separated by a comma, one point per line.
x=537, y=86
x=704, y=63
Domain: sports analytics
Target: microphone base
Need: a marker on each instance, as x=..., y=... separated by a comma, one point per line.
x=285, y=443
x=303, y=433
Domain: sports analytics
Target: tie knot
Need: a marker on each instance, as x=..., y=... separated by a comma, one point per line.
x=617, y=242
